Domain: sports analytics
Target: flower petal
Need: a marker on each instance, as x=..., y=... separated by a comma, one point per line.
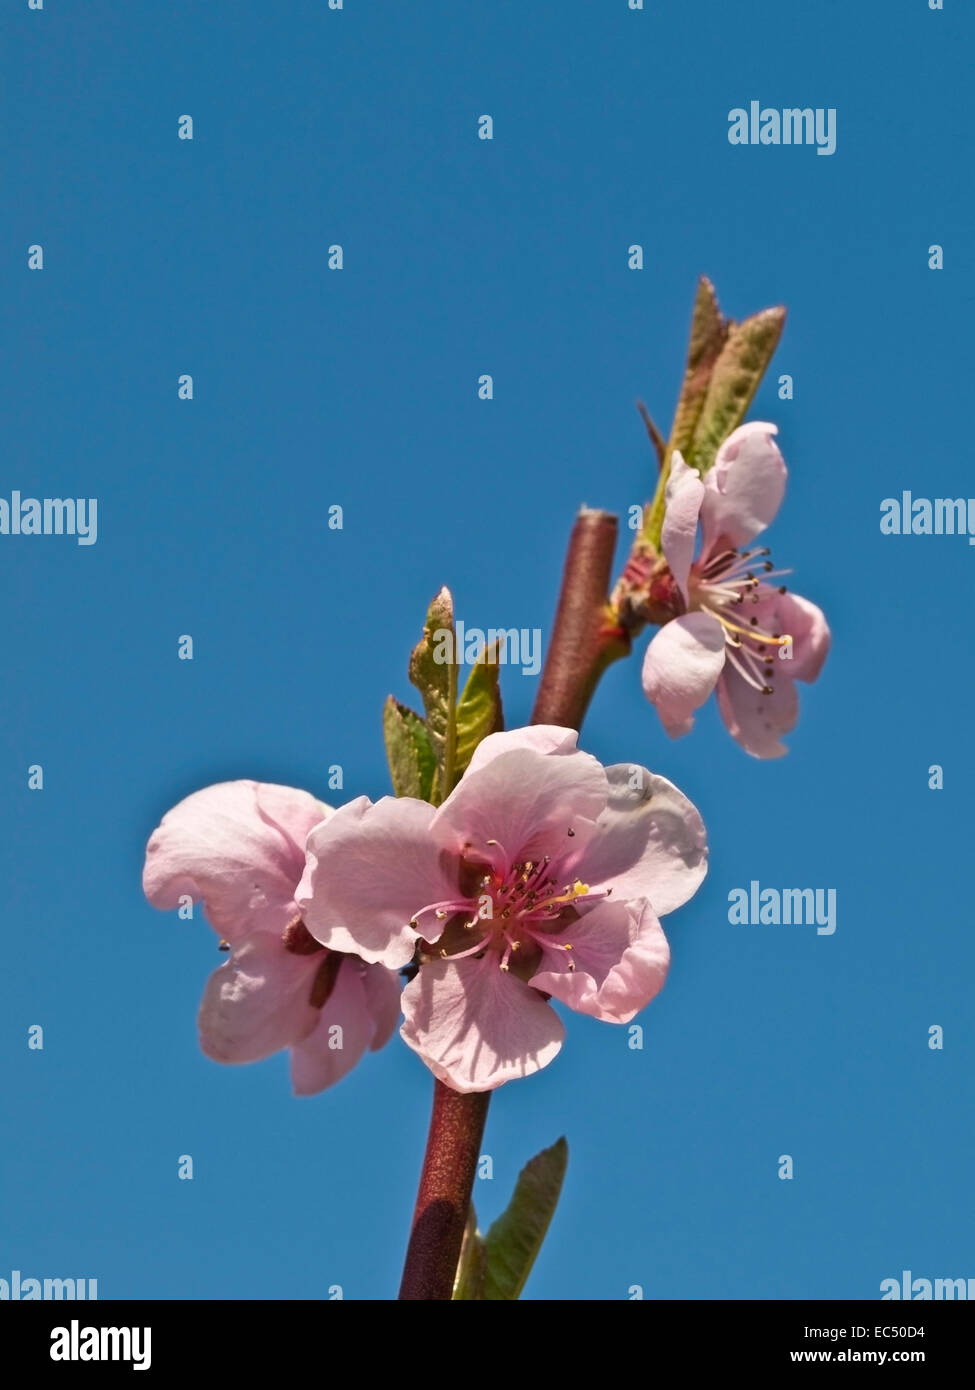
x=383, y=995
x=369, y=869
x=681, y=667
x=744, y=489
x=477, y=1026
x=754, y=720
x=620, y=958
x=540, y=738
x=807, y=626
x=650, y=841
x=238, y=846
x=683, y=497
x=257, y=1002
x=525, y=800
x=343, y=1031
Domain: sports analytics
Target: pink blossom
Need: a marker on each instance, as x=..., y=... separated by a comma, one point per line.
x=239, y=847
x=732, y=626
x=542, y=874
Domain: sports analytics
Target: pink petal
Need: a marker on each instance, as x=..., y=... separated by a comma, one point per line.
x=683, y=498
x=681, y=667
x=477, y=1026
x=540, y=738
x=238, y=846
x=620, y=956
x=383, y=993
x=369, y=869
x=326, y=1054
x=525, y=800
x=744, y=489
x=258, y=1002
x=650, y=841
x=754, y=720
x=807, y=626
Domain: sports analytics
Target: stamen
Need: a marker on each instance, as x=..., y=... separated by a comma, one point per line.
x=746, y=676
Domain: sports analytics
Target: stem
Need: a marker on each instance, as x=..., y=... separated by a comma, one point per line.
x=442, y=1203
x=586, y=637
x=450, y=742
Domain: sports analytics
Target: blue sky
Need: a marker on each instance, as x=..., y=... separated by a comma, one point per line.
x=311, y=388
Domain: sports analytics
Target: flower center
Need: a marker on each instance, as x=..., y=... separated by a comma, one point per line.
x=509, y=908
x=726, y=587
x=298, y=940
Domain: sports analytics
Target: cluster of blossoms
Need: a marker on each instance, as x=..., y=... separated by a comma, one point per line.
x=727, y=624
x=542, y=876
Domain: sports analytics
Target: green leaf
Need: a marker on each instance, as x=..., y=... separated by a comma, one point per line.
x=709, y=331
x=739, y=369
x=469, y=1279
x=433, y=670
x=409, y=752
x=479, y=708
x=514, y=1240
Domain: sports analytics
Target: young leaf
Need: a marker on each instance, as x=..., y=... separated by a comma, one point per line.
x=708, y=334
x=479, y=708
x=409, y=752
x=734, y=381
x=514, y=1240
x=433, y=670
x=469, y=1279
